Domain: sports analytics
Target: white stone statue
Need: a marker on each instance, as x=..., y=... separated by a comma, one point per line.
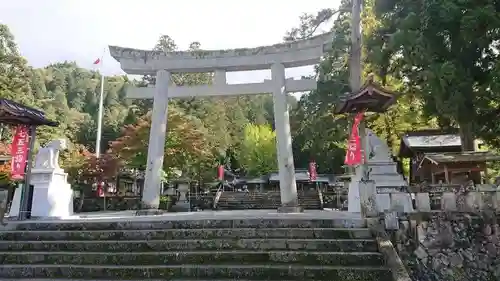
x=377, y=149
x=48, y=156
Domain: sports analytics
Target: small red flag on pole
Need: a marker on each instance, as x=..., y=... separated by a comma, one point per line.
x=220, y=172
x=97, y=61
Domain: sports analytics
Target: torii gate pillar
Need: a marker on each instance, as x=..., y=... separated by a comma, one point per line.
x=288, y=184
x=156, y=149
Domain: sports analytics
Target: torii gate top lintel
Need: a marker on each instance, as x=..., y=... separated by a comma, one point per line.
x=298, y=53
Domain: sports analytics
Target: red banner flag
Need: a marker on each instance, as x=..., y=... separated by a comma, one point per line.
x=100, y=189
x=19, y=152
x=354, y=155
x=220, y=172
x=313, y=175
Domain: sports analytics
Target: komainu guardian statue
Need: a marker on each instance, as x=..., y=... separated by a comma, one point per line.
x=48, y=156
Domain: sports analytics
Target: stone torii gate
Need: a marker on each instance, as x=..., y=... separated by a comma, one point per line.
x=276, y=57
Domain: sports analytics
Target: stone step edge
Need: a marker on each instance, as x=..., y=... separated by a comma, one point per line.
x=199, y=266
x=184, y=240
x=58, y=279
x=159, y=253
x=194, y=229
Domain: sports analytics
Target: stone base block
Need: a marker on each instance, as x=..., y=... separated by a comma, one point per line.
x=149, y=212
x=181, y=207
x=290, y=209
x=52, y=195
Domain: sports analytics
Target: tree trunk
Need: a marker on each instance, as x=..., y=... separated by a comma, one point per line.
x=467, y=136
x=467, y=139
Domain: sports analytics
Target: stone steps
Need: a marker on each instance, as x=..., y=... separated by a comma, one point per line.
x=264, y=200
x=60, y=279
x=201, y=233
x=197, y=257
x=190, y=271
x=152, y=248
x=188, y=225
x=343, y=245
x=183, y=279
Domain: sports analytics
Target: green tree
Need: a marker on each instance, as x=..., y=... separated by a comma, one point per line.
x=15, y=75
x=186, y=148
x=318, y=133
x=257, y=153
x=446, y=53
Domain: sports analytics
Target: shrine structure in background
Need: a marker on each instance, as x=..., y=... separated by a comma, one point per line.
x=436, y=156
x=13, y=114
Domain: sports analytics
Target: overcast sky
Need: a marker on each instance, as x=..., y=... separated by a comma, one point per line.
x=50, y=31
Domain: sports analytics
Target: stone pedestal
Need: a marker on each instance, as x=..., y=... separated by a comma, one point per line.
x=52, y=195
x=15, y=206
x=388, y=184
x=383, y=172
x=4, y=194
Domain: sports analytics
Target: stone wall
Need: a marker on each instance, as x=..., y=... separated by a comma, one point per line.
x=447, y=246
x=453, y=233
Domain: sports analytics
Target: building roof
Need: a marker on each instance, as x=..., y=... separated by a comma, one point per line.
x=15, y=113
x=429, y=141
x=372, y=97
x=455, y=157
x=432, y=141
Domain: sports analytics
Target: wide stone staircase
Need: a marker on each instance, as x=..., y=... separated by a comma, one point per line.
x=233, y=200
x=253, y=249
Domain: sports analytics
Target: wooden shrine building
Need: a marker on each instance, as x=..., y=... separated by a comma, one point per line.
x=436, y=156
x=455, y=167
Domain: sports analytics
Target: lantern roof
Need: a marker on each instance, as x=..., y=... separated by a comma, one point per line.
x=372, y=97
x=14, y=113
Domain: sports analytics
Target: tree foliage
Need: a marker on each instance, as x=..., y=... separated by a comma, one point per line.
x=257, y=154
x=446, y=53
x=188, y=143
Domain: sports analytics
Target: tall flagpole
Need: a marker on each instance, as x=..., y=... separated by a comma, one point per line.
x=99, y=118
x=99, y=126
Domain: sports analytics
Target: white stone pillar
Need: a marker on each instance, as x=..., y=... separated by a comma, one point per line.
x=156, y=149
x=52, y=195
x=288, y=185
x=220, y=77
